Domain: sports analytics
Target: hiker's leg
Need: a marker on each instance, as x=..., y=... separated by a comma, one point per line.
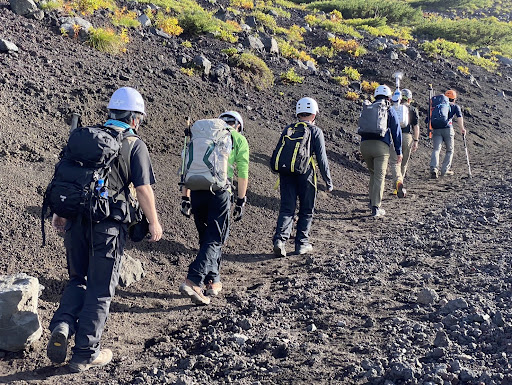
x=307, y=197
x=449, y=138
x=406, y=151
x=396, y=173
x=381, y=164
x=77, y=255
x=368, y=152
x=109, y=238
x=207, y=261
x=199, y=208
x=437, y=142
x=288, y=189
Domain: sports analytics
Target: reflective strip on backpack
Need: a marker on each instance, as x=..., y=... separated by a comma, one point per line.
x=294, y=157
x=190, y=154
x=276, y=165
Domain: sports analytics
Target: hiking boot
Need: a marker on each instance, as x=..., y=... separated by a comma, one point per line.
x=304, y=249
x=400, y=190
x=447, y=173
x=279, y=248
x=195, y=293
x=213, y=288
x=58, y=344
x=378, y=212
x=434, y=174
x=103, y=359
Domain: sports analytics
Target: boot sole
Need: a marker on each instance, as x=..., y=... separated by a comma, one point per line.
x=187, y=291
x=279, y=252
x=57, y=348
x=400, y=191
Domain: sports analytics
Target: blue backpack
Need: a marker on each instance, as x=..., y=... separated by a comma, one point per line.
x=440, y=112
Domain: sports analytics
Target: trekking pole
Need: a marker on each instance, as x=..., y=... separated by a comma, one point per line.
x=74, y=121
x=467, y=154
x=429, y=116
x=187, y=133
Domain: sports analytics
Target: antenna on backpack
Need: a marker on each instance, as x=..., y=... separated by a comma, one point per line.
x=398, y=76
x=75, y=118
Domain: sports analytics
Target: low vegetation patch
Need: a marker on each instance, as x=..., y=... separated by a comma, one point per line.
x=254, y=70
x=106, y=40
x=291, y=77
x=168, y=24
x=351, y=46
x=341, y=80
x=369, y=87
x=351, y=73
x=289, y=51
x=351, y=95
x=123, y=17
x=86, y=7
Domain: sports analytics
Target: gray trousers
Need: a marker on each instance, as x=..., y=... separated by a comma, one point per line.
x=398, y=170
x=94, y=261
x=440, y=135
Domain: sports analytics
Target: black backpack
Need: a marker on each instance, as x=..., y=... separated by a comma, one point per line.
x=440, y=112
x=292, y=154
x=82, y=182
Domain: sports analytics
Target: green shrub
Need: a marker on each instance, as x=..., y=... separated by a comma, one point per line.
x=125, y=18
x=351, y=95
x=289, y=51
x=254, y=70
x=323, y=51
x=453, y=4
x=186, y=44
x=290, y=77
x=351, y=73
x=351, y=46
x=168, y=24
x=51, y=5
x=231, y=51
x=107, y=40
x=394, y=11
x=340, y=28
x=341, y=80
x=89, y=6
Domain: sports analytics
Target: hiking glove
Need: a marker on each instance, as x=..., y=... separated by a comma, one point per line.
x=238, y=213
x=186, y=207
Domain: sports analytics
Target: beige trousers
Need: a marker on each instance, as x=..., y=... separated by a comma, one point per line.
x=376, y=155
x=398, y=170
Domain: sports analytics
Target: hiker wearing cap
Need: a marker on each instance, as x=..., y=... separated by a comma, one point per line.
x=293, y=160
x=211, y=205
x=442, y=131
x=408, y=118
x=378, y=124
x=94, y=248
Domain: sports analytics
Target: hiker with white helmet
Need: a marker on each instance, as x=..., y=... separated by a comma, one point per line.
x=210, y=202
x=444, y=110
x=408, y=118
x=378, y=123
x=95, y=237
x=293, y=160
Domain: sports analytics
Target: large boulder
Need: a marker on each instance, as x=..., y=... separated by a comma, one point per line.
x=7, y=46
x=23, y=7
x=253, y=43
x=19, y=321
x=75, y=26
x=131, y=271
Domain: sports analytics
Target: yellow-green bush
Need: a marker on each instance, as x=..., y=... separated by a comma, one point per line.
x=295, y=33
x=291, y=77
x=231, y=51
x=168, y=24
x=351, y=46
x=254, y=70
x=125, y=18
x=244, y=4
x=51, y=5
x=341, y=80
x=368, y=87
x=351, y=95
x=351, y=73
x=186, y=44
x=87, y=7
x=323, y=51
x=289, y=51
x=108, y=41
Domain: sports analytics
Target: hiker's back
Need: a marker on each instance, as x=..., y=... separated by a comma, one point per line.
x=440, y=115
x=206, y=157
x=402, y=112
x=292, y=154
x=374, y=119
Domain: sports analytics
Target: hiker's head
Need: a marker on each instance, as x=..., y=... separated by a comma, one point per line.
x=234, y=119
x=382, y=92
x=126, y=104
x=306, y=109
x=451, y=94
x=406, y=95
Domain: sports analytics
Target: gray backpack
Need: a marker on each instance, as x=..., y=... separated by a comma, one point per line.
x=374, y=118
x=206, y=156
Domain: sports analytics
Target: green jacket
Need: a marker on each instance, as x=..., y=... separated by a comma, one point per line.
x=239, y=156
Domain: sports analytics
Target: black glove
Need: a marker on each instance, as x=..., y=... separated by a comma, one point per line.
x=238, y=213
x=186, y=207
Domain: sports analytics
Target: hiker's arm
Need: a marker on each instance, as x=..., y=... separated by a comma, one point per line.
x=321, y=157
x=415, y=137
x=146, y=199
x=460, y=122
x=242, y=167
x=59, y=223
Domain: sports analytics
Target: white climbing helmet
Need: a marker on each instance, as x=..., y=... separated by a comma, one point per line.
x=127, y=99
x=382, y=90
x=406, y=94
x=307, y=105
x=397, y=96
x=229, y=116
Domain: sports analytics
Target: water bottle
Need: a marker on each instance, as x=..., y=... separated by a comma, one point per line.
x=101, y=189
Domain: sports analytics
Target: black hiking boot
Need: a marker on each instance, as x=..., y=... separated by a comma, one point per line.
x=58, y=345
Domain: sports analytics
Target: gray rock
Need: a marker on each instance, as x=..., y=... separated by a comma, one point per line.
x=308, y=28
x=427, y=296
x=413, y=53
x=245, y=27
x=330, y=35
x=393, y=55
x=498, y=319
x=131, y=271
x=240, y=339
x=377, y=45
x=454, y=304
x=356, y=86
x=23, y=7
x=504, y=60
x=442, y=340
x=221, y=71
x=401, y=371
x=144, y=20
x=251, y=22
x=253, y=43
x=311, y=328
x=311, y=67
x=270, y=44
x=19, y=321
x=68, y=27
x=7, y=46
x=200, y=61
x=467, y=375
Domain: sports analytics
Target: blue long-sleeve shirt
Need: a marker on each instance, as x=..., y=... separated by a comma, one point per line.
x=394, y=131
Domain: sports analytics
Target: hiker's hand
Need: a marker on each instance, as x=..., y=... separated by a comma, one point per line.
x=156, y=231
x=329, y=188
x=399, y=159
x=59, y=223
x=414, y=146
x=186, y=207
x=238, y=213
x=463, y=131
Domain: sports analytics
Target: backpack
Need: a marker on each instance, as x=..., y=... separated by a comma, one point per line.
x=374, y=118
x=440, y=112
x=292, y=154
x=81, y=183
x=206, y=156
x=402, y=111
